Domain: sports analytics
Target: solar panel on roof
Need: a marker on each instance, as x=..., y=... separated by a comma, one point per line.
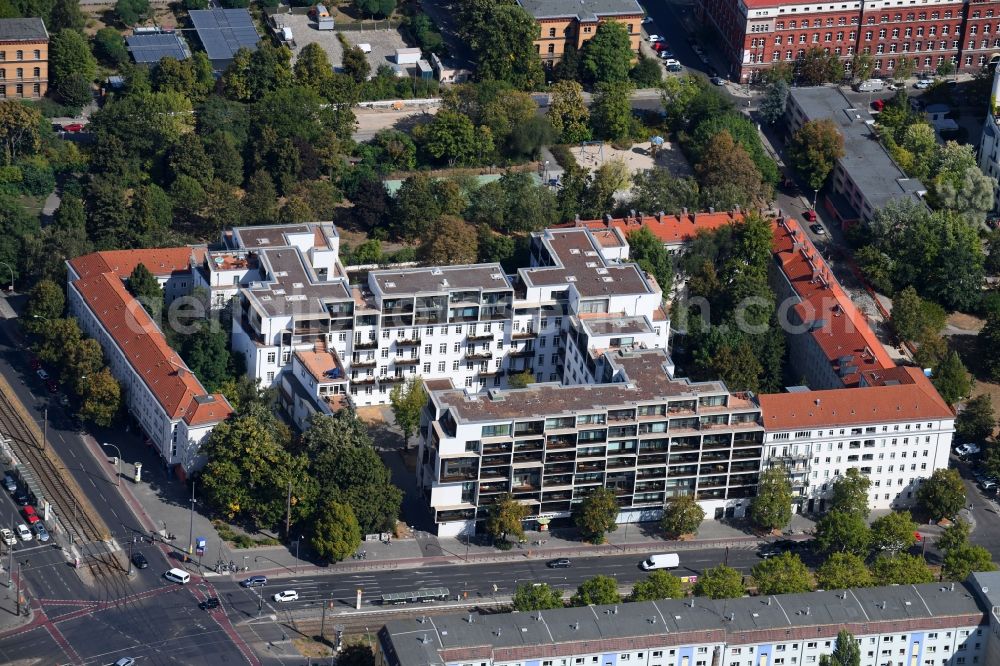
x=224, y=31
x=150, y=48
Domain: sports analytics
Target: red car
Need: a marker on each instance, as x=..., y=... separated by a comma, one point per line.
x=660, y=46
x=29, y=515
x=73, y=127
x=878, y=104
x=811, y=215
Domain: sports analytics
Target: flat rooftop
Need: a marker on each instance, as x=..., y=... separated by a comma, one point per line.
x=149, y=48
x=531, y=636
x=875, y=174
x=583, y=10
x=644, y=380
x=440, y=279
x=224, y=31
x=295, y=290
x=577, y=260
x=615, y=325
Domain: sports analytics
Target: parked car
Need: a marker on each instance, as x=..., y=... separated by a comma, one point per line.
x=9, y=483
x=561, y=563
x=965, y=450
x=21, y=497
x=660, y=47
x=989, y=483
x=878, y=104
x=718, y=81
x=125, y=661
x=923, y=84
x=209, y=604
x=41, y=533
x=29, y=515
x=139, y=560
x=818, y=229
x=655, y=38
x=254, y=581
x=23, y=532
x=674, y=67
x=44, y=376
x=810, y=215
x=670, y=62
x=7, y=537
x=286, y=595
x=73, y=128
x=666, y=53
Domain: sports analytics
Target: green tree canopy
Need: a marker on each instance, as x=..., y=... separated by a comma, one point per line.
x=843, y=570
x=19, y=129
x=407, y=401
x=963, y=560
x=976, y=422
x=130, y=12
x=682, y=515
x=503, y=39
x=846, y=652
x=596, y=515
x=536, y=596
x=784, y=574
x=658, y=585
x=772, y=107
x=648, y=251
x=335, y=532
x=611, y=110
x=951, y=379
x=955, y=535
x=69, y=55
x=901, y=569
x=893, y=533
x=771, y=509
x=607, y=56
x=596, y=591
x=46, y=301
x=842, y=532
x=943, y=494
x=720, y=582
x=850, y=493
x=453, y=241
x=814, y=150
x=505, y=518
x=100, y=399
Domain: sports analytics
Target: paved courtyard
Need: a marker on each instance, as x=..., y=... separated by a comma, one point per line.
x=383, y=42
x=638, y=158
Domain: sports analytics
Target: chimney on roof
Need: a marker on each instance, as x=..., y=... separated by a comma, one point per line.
x=817, y=402
x=640, y=218
x=694, y=217
x=659, y=216
x=808, y=609
x=684, y=210
x=577, y=219
x=607, y=219
x=576, y=626
x=632, y=213
x=711, y=209
x=737, y=209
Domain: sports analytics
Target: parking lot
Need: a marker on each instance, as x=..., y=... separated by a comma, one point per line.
x=383, y=42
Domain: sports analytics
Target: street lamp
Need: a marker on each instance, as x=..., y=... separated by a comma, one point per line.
x=117, y=451
x=815, y=197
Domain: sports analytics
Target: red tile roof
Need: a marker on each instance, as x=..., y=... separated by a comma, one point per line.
x=175, y=387
x=842, y=332
x=160, y=262
x=671, y=229
x=913, y=399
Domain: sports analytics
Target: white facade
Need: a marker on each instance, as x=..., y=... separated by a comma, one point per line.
x=989, y=144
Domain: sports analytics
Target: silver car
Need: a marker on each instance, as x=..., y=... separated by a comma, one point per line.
x=41, y=533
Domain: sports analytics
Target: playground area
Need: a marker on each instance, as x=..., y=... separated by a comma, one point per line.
x=640, y=157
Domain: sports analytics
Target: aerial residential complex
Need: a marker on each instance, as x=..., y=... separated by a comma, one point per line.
x=899, y=625
x=569, y=24
x=757, y=34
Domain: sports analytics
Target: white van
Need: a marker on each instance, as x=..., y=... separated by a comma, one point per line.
x=177, y=576
x=661, y=561
x=871, y=85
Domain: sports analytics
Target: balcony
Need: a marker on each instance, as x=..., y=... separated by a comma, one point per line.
x=527, y=352
x=478, y=356
x=497, y=447
x=621, y=463
x=523, y=335
x=363, y=380
x=366, y=344
x=590, y=467
x=392, y=379
x=494, y=473
x=479, y=337
x=406, y=361
x=490, y=372
x=408, y=342
x=366, y=363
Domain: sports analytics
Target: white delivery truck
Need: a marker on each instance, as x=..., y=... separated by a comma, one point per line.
x=871, y=85
x=661, y=561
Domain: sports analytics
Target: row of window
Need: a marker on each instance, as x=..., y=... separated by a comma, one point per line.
x=870, y=20
x=18, y=90
x=19, y=55
x=19, y=73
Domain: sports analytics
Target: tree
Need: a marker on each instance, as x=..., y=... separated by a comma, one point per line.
x=771, y=509
x=607, y=56
x=504, y=519
x=658, y=585
x=772, y=107
x=902, y=569
x=504, y=44
x=954, y=536
x=206, y=352
x=418, y=208
x=970, y=194
x=45, y=301
x=988, y=342
x=454, y=241
x=312, y=67
x=728, y=175
x=69, y=55
x=536, y=596
x=862, y=66
x=19, y=129
x=66, y=14
x=904, y=69
x=784, y=574
x=817, y=67
x=56, y=336
x=251, y=75
x=658, y=189
x=682, y=515
x=720, y=582
x=356, y=64
x=596, y=591
x=943, y=494
x=130, y=12
x=451, y=136
x=376, y=7
x=146, y=289
x=951, y=379
x=596, y=515
x=646, y=73
x=945, y=68
x=335, y=533
x=520, y=380
x=648, y=251
x=101, y=399
x=611, y=110
x=407, y=401
x=846, y=652
x=814, y=150
x=357, y=654
x=975, y=423
x=527, y=138
x=109, y=46
x=963, y=560
x=850, y=493
x=842, y=532
x=843, y=570
x=350, y=471
x=893, y=533
x=912, y=316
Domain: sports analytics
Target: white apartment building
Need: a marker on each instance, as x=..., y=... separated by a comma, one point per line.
x=989, y=144
x=302, y=326
x=934, y=624
x=164, y=397
x=639, y=432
